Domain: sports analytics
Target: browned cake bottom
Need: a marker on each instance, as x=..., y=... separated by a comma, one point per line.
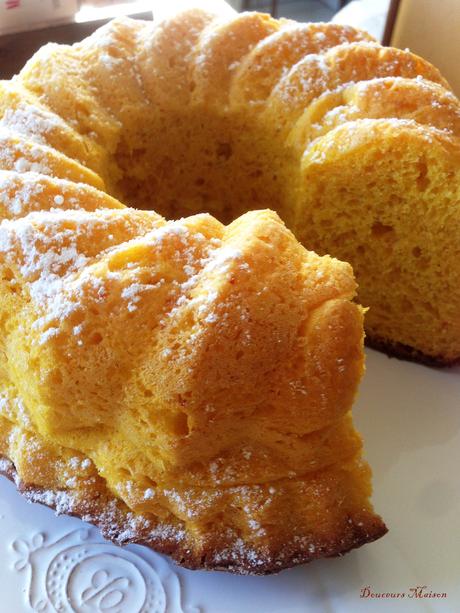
x=393, y=349
x=120, y=526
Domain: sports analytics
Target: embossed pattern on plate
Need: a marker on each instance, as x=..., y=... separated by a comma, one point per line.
x=80, y=572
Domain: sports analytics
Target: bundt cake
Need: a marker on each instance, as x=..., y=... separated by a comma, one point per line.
x=188, y=383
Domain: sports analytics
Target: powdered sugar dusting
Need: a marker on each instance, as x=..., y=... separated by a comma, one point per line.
x=32, y=121
x=47, y=255
x=5, y=465
x=16, y=192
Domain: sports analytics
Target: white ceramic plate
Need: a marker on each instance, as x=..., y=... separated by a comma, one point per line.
x=410, y=418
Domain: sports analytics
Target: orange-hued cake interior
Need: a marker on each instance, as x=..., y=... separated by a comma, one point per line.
x=184, y=384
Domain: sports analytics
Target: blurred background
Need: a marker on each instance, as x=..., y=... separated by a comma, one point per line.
x=26, y=25
x=430, y=28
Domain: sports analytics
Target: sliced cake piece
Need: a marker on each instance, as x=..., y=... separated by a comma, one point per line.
x=185, y=384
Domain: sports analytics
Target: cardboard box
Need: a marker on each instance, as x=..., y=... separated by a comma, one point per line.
x=431, y=29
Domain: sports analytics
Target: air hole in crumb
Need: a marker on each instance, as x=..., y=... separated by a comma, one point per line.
x=56, y=377
x=265, y=239
x=77, y=318
x=8, y=274
x=381, y=230
x=422, y=180
x=416, y=252
x=406, y=305
x=180, y=424
x=95, y=339
x=224, y=150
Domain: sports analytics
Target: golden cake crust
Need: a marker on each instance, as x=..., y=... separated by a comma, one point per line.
x=406, y=352
x=360, y=61
x=419, y=100
x=262, y=68
x=118, y=525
